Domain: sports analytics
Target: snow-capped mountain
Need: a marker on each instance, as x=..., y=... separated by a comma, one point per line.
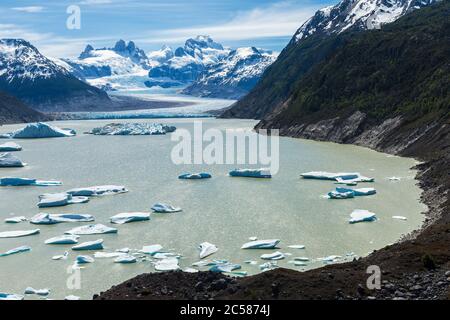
x=357, y=14
x=28, y=75
x=234, y=75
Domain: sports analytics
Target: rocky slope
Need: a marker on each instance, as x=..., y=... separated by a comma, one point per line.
x=14, y=111
x=28, y=75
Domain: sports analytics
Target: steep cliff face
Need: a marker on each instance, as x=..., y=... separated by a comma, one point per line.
x=14, y=111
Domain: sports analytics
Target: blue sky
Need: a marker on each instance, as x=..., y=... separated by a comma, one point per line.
x=151, y=23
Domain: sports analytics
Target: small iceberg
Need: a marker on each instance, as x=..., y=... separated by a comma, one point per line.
x=97, y=191
x=92, y=229
x=40, y=130
x=341, y=195
x=10, y=147
x=268, y=266
x=133, y=129
x=16, y=219
x=400, y=218
x=18, y=234
x=125, y=259
x=273, y=256
x=251, y=173
x=84, y=259
x=48, y=219
x=207, y=249
x=15, y=251
x=66, y=239
x=165, y=208
x=297, y=246
x=10, y=296
x=169, y=264
x=330, y=259
x=358, y=192
x=395, y=178
x=122, y=218
x=195, y=176
x=102, y=255
x=362, y=216
x=303, y=259
x=51, y=200
x=151, y=250
x=261, y=244
x=72, y=298
x=19, y=182
x=223, y=266
x=90, y=245
x=8, y=160
x=39, y=292
x=61, y=257
x=341, y=177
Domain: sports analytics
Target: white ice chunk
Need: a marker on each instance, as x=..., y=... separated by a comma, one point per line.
x=61, y=257
x=207, y=249
x=165, y=208
x=10, y=296
x=261, y=244
x=47, y=219
x=251, y=173
x=92, y=229
x=123, y=250
x=253, y=238
x=39, y=292
x=133, y=129
x=59, y=199
x=90, y=245
x=332, y=258
x=190, y=270
x=16, y=219
x=41, y=130
x=273, y=256
x=122, y=218
x=20, y=233
x=15, y=251
x=323, y=175
x=72, y=298
x=195, y=176
x=20, y=182
x=101, y=255
x=224, y=266
x=10, y=147
x=297, y=246
x=394, y=178
x=400, y=218
x=304, y=259
x=66, y=239
x=362, y=216
x=268, y=266
x=125, y=259
x=357, y=192
x=84, y=259
x=151, y=250
x=8, y=160
x=169, y=264
x=97, y=191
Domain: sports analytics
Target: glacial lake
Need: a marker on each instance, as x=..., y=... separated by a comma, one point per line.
x=224, y=211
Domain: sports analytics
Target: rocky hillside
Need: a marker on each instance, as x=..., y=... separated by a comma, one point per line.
x=314, y=42
x=14, y=111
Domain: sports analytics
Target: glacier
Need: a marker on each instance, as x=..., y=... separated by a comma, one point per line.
x=40, y=130
x=91, y=230
x=261, y=244
x=251, y=173
x=10, y=147
x=97, y=191
x=15, y=251
x=19, y=233
x=133, y=129
x=127, y=217
x=195, y=176
x=362, y=216
x=90, y=245
x=48, y=219
x=16, y=182
x=8, y=160
x=207, y=249
x=65, y=239
x=165, y=208
x=50, y=200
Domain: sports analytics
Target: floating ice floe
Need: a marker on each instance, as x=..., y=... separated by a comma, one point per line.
x=66, y=239
x=72, y=298
x=341, y=195
x=303, y=259
x=195, y=176
x=268, y=266
x=273, y=256
x=133, y=129
x=151, y=250
x=10, y=147
x=84, y=259
x=61, y=257
x=165, y=208
x=101, y=255
x=394, y=178
x=400, y=218
x=50, y=200
x=362, y=216
x=330, y=259
x=92, y=229
x=169, y=264
x=8, y=160
x=297, y=246
x=261, y=244
x=40, y=130
x=251, y=173
x=223, y=266
x=15, y=251
x=123, y=250
x=18, y=234
x=10, y=296
x=253, y=238
x=207, y=249
x=47, y=219
x=341, y=177
x=16, y=219
x=20, y=182
x=125, y=259
x=97, y=191
x=127, y=217
x=90, y=245
x=190, y=270
x=39, y=292
x=358, y=192
x=252, y=262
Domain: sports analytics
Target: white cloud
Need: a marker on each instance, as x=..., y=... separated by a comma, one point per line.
x=31, y=9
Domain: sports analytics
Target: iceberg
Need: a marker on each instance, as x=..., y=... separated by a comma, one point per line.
x=303, y=259
x=40, y=130
x=125, y=259
x=358, y=192
x=165, y=208
x=122, y=218
x=207, y=249
x=66, y=239
x=10, y=147
x=16, y=219
x=354, y=181
x=50, y=200
x=399, y=218
x=47, y=219
x=195, y=176
x=97, y=191
x=19, y=182
x=133, y=129
x=10, y=296
x=273, y=256
x=341, y=195
x=8, y=160
x=18, y=234
x=72, y=298
x=362, y=216
x=261, y=244
x=84, y=259
x=251, y=173
x=341, y=177
x=61, y=257
x=39, y=292
x=268, y=266
x=15, y=251
x=101, y=255
x=151, y=250
x=92, y=229
x=90, y=245
x=297, y=246
x=224, y=266
x=169, y=264
x=329, y=259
